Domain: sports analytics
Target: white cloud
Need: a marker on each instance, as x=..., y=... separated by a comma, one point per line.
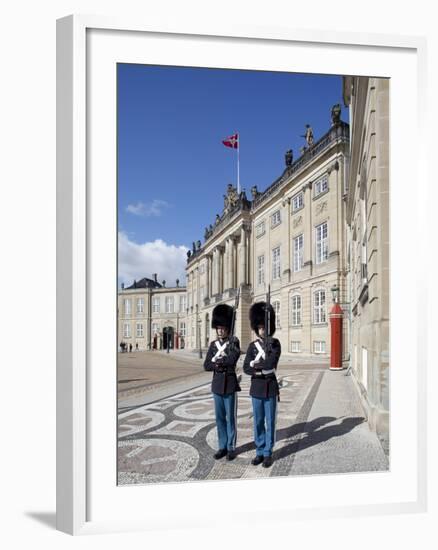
x=142, y=260
x=154, y=208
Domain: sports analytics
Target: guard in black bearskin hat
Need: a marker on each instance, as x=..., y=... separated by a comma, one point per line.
x=221, y=358
x=260, y=363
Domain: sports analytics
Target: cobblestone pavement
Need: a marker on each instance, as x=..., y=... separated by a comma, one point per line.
x=320, y=429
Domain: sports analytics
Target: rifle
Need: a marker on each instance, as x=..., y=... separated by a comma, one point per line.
x=268, y=322
x=233, y=321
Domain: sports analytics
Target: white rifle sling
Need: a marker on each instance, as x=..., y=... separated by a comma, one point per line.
x=220, y=350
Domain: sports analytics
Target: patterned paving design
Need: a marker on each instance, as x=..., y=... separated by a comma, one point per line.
x=174, y=439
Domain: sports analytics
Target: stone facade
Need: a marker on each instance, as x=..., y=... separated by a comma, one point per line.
x=151, y=316
x=291, y=237
x=367, y=243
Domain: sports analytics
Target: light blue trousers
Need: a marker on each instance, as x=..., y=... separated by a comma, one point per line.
x=225, y=407
x=265, y=416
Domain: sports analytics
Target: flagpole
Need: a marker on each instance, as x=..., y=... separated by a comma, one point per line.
x=238, y=171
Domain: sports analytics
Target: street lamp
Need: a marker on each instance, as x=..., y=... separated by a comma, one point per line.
x=198, y=323
x=335, y=293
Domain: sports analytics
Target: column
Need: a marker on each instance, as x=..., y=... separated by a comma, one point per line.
x=307, y=227
x=207, y=276
x=227, y=264
x=242, y=264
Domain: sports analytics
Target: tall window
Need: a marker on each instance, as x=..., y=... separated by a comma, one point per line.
x=321, y=243
x=156, y=304
x=275, y=218
x=127, y=305
x=297, y=202
x=319, y=313
x=155, y=328
x=182, y=303
x=183, y=330
x=276, y=263
x=298, y=252
x=260, y=229
x=318, y=346
x=296, y=310
x=321, y=185
x=169, y=304
x=139, y=330
x=127, y=330
x=276, y=306
x=295, y=346
x=140, y=305
x=261, y=270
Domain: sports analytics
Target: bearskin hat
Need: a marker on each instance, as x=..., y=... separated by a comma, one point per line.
x=222, y=316
x=257, y=317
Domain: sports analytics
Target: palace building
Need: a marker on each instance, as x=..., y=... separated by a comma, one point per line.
x=367, y=236
x=152, y=315
x=289, y=236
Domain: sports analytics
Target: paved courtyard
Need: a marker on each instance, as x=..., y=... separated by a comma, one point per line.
x=167, y=435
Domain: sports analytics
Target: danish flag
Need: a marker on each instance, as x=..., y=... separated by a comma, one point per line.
x=232, y=141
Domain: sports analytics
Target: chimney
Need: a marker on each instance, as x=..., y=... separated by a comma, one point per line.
x=155, y=277
x=123, y=286
x=164, y=283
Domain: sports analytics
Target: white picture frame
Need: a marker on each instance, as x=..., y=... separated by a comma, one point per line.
x=83, y=500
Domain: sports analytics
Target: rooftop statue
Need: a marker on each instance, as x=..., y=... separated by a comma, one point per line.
x=289, y=157
x=308, y=136
x=336, y=114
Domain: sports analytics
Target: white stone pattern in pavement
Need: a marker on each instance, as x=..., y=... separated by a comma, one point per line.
x=174, y=439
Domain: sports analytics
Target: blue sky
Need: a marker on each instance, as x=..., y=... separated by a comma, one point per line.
x=172, y=167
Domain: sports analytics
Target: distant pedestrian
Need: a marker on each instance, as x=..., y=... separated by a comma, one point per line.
x=136, y=346
x=221, y=359
x=130, y=347
x=260, y=363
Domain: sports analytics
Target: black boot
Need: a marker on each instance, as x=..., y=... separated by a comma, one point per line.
x=267, y=461
x=231, y=455
x=257, y=460
x=220, y=454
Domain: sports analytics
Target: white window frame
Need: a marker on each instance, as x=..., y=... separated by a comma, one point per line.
x=261, y=270
x=295, y=344
x=298, y=253
x=126, y=330
x=182, y=329
x=319, y=307
x=321, y=243
x=297, y=201
x=276, y=218
x=260, y=229
x=169, y=304
x=156, y=304
x=276, y=263
x=296, y=311
x=127, y=306
x=319, y=346
x=155, y=328
x=182, y=303
x=140, y=305
x=320, y=186
x=139, y=330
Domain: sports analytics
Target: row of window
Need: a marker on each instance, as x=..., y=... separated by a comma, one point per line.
x=297, y=251
x=155, y=330
x=169, y=304
x=297, y=203
x=318, y=346
x=319, y=309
